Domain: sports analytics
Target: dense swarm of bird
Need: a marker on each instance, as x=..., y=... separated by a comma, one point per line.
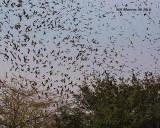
x=65, y=41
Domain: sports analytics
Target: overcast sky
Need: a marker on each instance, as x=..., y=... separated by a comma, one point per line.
x=110, y=40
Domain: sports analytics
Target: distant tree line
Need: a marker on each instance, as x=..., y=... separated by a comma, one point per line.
x=106, y=103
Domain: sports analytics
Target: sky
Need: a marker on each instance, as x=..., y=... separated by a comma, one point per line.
x=62, y=41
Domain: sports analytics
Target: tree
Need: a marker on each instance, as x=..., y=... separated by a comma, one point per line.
x=70, y=117
x=21, y=108
x=111, y=104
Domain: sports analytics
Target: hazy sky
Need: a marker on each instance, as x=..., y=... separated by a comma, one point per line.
x=90, y=34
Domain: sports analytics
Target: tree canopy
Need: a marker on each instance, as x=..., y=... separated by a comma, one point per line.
x=105, y=103
x=111, y=104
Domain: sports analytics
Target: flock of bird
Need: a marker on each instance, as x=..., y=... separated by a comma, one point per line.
x=66, y=41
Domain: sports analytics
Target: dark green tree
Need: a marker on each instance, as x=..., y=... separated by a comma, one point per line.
x=111, y=104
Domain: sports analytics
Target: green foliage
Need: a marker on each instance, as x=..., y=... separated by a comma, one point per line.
x=121, y=105
x=103, y=104
x=70, y=117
